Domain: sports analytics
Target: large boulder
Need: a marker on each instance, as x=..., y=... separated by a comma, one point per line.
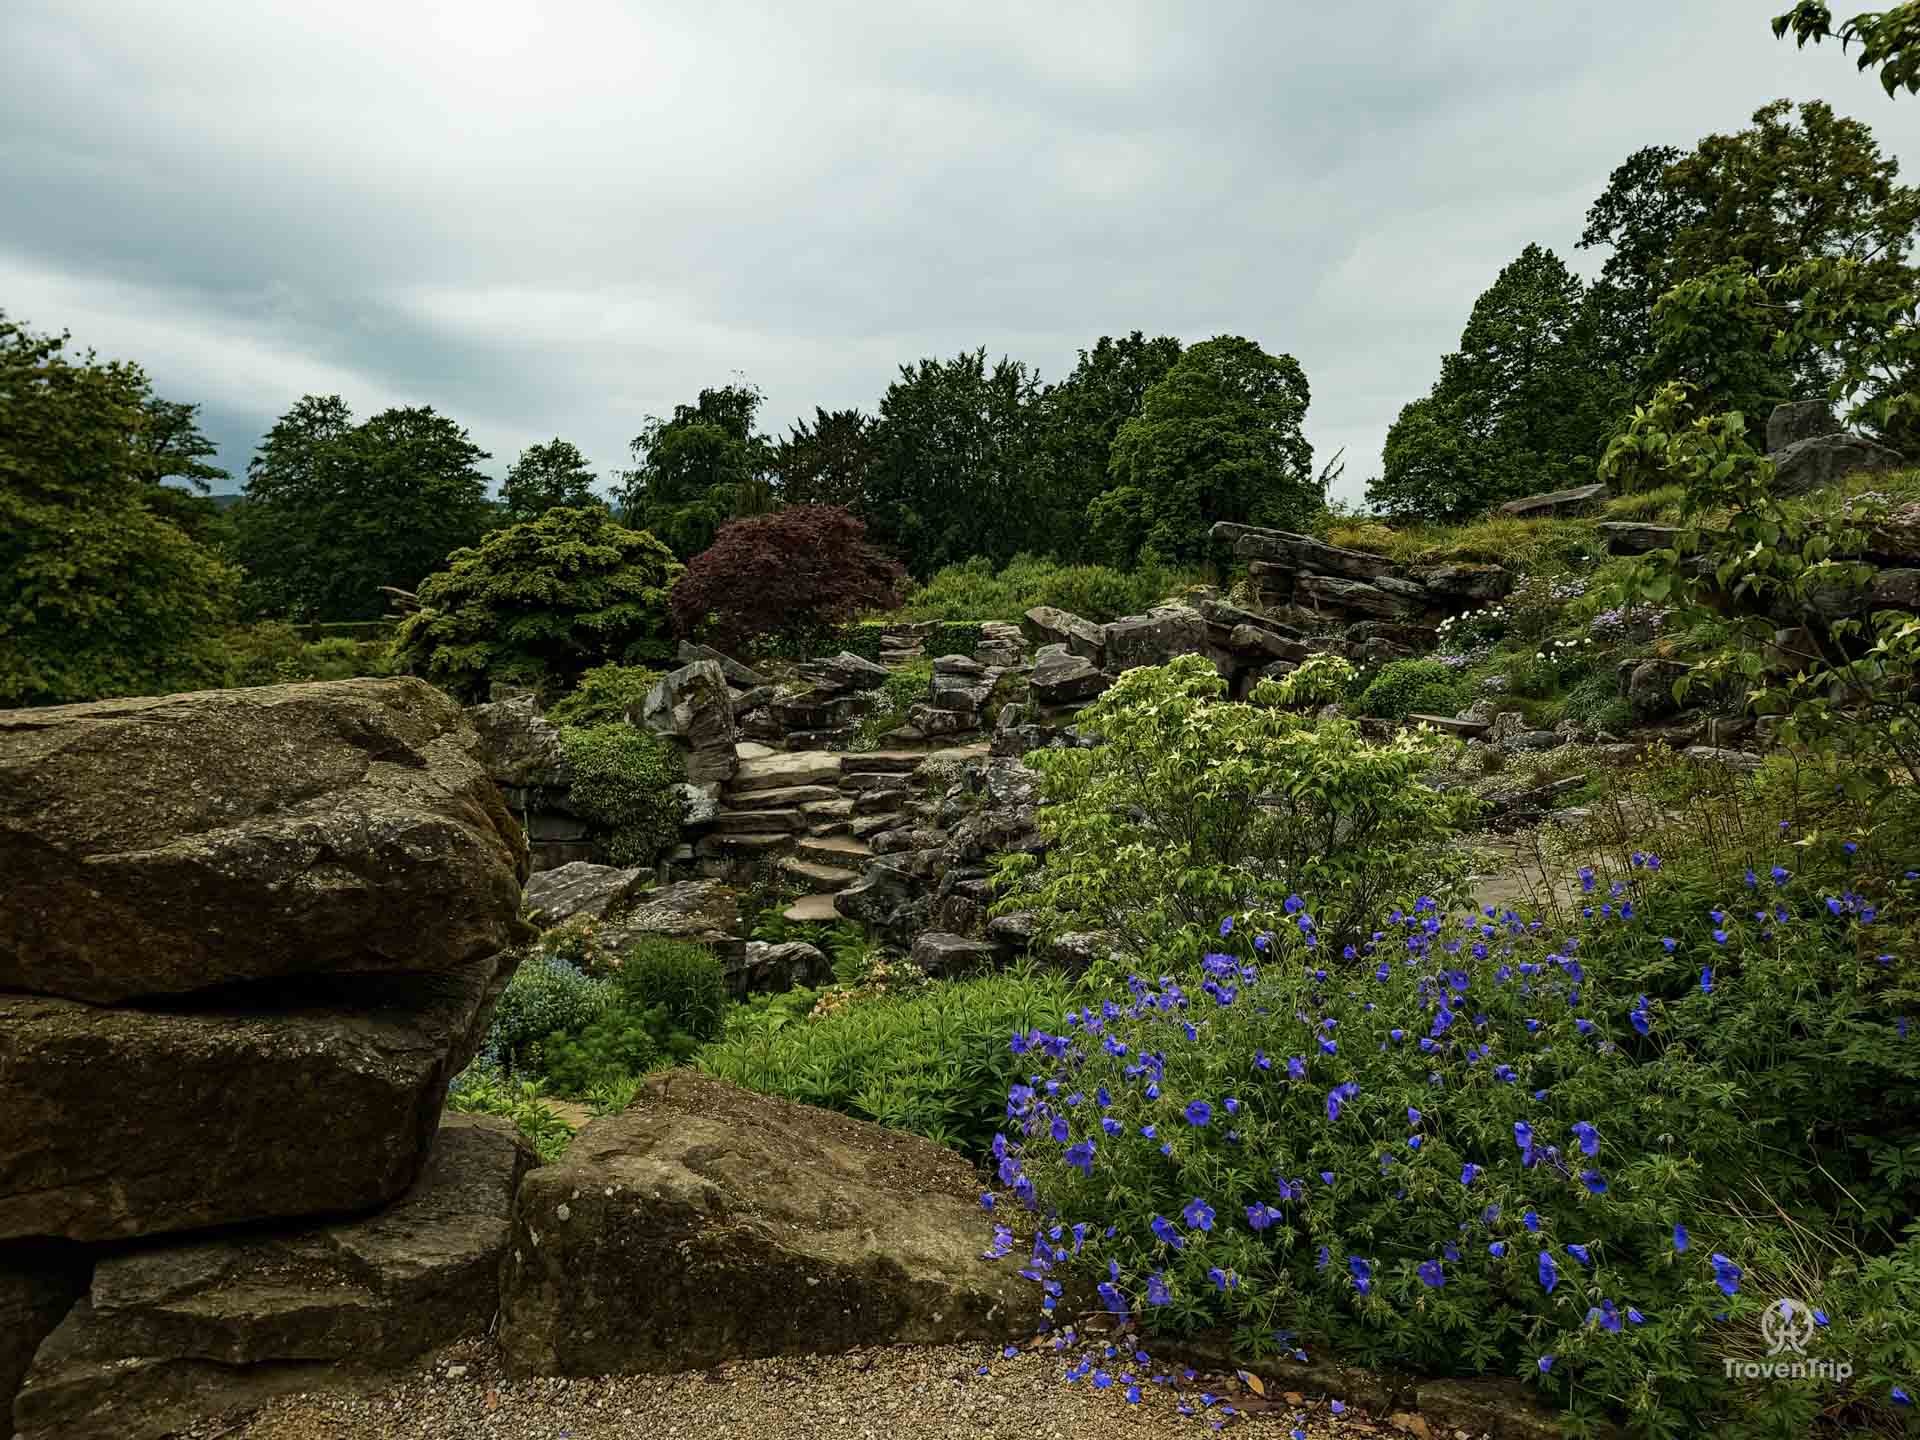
x=169, y=1334
x=1155, y=638
x=582, y=888
x=1046, y=625
x=317, y=1098
x=1823, y=460
x=159, y=846
x=1799, y=420
x=1061, y=678
x=693, y=708
x=1576, y=500
x=707, y=1223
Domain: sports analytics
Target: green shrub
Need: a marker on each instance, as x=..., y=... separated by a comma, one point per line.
x=625, y=783
x=1194, y=805
x=603, y=1053
x=1406, y=687
x=935, y=1063
x=482, y=1090
x=603, y=696
x=544, y=995
x=687, y=982
x=1376, y=1159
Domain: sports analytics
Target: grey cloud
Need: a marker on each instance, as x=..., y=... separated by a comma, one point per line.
x=558, y=218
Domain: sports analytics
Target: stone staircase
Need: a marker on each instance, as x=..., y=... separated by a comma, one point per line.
x=811, y=814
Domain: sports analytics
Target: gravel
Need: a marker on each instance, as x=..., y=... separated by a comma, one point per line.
x=886, y=1394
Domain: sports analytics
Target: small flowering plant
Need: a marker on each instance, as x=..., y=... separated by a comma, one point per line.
x=1471, y=1144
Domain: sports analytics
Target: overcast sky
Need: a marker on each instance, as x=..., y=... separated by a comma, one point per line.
x=556, y=218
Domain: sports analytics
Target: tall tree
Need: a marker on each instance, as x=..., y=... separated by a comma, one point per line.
x=1218, y=438
x=828, y=462
x=1078, y=420
x=956, y=475
x=334, y=511
x=1522, y=405
x=1794, y=186
x=545, y=477
x=100, y=593
x=699, y=467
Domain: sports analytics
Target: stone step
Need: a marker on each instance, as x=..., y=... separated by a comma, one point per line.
x=813, y=910
x=829, y=878
x=881, y=762
x=785, y=797
x=866, y=825
x=835, y=850
x=756, y=822
x=775, y=772
x=744, y=847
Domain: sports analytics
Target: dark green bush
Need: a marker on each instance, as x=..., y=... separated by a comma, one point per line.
x=686, y=982
x=625, y=784
x=1406, y=687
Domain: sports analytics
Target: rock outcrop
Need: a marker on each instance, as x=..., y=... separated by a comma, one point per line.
x=707, y=1223
x=161, y=846
x=170, y=1333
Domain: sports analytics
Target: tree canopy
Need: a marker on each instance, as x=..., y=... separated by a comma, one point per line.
x=539, y=602
x=1218, y=437
x=103, y=593
x=334, y=510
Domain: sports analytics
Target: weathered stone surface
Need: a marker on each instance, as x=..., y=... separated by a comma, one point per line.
x=1300, y=552
x=1478, y=583
x=693, y=708
x=1626, y=537
x=172, y=1333
x=164, y=845
x=519, y=746
x=1577, y=500
x=843, y=672
x=740, y=677
x=1824, y=460
x=768, y=968
x=1062, y=678
x=942, y=956
x=1154, y=638
x=1799, y=420
x=318, y=1096
x=705, y=911
x=582, y=888
x=40, y=1281
x=706, y=1223
x=1045, y=625
x=1329, y=592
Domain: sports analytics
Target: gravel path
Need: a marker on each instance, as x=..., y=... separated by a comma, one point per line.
x=890, y=1394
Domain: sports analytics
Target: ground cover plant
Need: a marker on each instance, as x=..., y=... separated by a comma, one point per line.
x=1590, y=1152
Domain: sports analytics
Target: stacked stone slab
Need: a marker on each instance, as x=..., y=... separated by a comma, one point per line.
x=247, y=938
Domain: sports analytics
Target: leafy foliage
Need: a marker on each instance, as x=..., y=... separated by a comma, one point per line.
x=1193, y=804
x=539, y=602
x=935, y=1063
x=604, y=695
x=549, y=476
x=335, y=510
x=793, y=574
x=1217, y=438
x=699, y=468
x=103, y=594
x=1406, y=687
x=1520, y=407
x=625, y=782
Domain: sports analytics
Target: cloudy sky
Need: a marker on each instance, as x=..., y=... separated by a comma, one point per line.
x=559, y=216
